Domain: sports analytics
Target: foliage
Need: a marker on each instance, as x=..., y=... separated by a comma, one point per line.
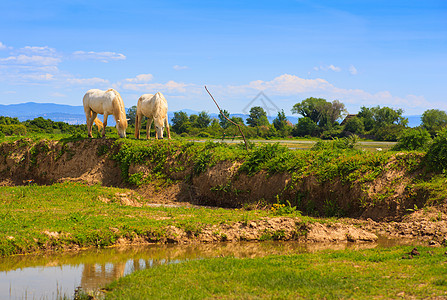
x=257, y=117
x=375, y=118
x=413, y=139
x=390, y=132
x=13, y=129
x=355, y=125
x=436, y=157
x=180, y=122
x=131, y=115
x=304, y=127
x=320, y=111
x=433, y=120
x=336, y=143
x=202, y=121
x=223, y=122
x=264, y=157
x=9, y=121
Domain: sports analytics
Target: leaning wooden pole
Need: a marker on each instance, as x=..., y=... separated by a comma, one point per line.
x=238, y=126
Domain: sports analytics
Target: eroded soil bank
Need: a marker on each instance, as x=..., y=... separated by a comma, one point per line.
x=178, y=181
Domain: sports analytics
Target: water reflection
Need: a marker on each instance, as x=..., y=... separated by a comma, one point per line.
x=57, y=275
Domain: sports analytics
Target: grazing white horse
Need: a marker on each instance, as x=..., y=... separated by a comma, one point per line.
x=105, y=103
x=155, y=108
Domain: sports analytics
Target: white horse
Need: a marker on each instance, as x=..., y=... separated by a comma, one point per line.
x=155, y=108
x=105, y=103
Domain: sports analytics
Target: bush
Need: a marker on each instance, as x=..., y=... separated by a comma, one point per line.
x=16, y=129
x=413, y=139
x=336, y=143
x=389, y=132
x=436, y=157
x=204, y=134
x=355, y=125
x=305, y=126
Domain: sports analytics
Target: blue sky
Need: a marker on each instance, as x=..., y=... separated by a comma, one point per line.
x=362, y=53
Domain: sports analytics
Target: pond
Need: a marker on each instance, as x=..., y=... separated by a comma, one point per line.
x=59, y=275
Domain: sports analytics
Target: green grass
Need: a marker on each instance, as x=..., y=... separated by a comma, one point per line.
x=365, y=274
x=78, y=215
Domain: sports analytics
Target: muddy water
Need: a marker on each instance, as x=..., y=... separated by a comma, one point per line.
x=54, y=276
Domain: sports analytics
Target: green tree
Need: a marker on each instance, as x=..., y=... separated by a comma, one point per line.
x=131, y=114
x=355, y=125
x=305, y=126
x=366, y=114
x=378, y=117
x=180, y=122
x=413, y=139
x=433, y=120
x=257, y=117
x=320, y=111
x=203, y=120
x=280, y=122
x=9, y=121
x=310, y=108
x=224, y=123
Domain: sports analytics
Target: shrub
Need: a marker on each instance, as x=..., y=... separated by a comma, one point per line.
x=389, y=132
x=204, y=134
x=355, y=125
x=305, y=126
x=436, y=157
x=336, y=143
x=15, y=129
x=413, y=139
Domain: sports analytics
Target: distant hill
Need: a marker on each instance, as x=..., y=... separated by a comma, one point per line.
x=75, y=114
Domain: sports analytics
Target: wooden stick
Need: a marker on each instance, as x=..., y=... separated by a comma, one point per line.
x=238, y=126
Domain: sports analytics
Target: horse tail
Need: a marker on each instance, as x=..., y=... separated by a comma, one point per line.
x=99, y=124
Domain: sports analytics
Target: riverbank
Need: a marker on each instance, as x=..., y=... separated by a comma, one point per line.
x=76, y=193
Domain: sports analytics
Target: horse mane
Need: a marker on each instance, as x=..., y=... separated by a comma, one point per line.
x=118, y=109
x=158, y=98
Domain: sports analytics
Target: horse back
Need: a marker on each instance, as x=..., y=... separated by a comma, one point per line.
x=99, y=101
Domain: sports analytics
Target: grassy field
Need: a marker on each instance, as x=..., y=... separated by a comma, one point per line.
x=34, y=218
x=365, y=274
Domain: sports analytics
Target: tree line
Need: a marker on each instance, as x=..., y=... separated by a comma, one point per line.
x=319, y=118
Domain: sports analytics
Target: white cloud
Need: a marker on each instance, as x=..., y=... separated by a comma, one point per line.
x=47, y=51
x=39, y=77
x=327, y=68
x=140, y=78
x=353, y=70
x=178, y=68
x=88, y=81
x=58, y=95
x=2, y=46
x=36, y=60
x=168, y=87
x=101, y=56
x=286, y=87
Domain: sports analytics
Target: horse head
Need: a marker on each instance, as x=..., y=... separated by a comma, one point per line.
x=121, y=126
x=159, y=127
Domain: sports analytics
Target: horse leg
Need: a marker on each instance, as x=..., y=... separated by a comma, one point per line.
x=88, y=115
x=137, y=126
x=92, y=120
x=148, y=128
x=105, y=125
x=167, y=127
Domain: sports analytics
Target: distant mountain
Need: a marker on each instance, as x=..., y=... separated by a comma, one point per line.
x=56, y=112
x=75, y=114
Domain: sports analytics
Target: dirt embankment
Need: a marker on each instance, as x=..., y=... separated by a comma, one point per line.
x=90, y=161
